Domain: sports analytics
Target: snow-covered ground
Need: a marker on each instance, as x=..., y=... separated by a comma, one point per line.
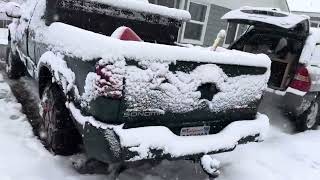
x=283, y=155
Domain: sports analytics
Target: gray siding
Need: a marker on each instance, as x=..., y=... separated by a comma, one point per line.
x=215, y=24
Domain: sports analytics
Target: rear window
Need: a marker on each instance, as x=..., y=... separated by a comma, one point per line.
x=105, y=19
x=267, y=13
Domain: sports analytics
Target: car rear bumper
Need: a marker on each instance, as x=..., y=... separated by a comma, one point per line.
x=110, y=143
x=289, y=102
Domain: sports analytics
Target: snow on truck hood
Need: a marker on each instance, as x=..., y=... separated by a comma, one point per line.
x=251, y=15
x=144, y=6
x=89, y=46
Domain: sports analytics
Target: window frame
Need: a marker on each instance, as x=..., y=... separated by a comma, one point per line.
x=315, y=22
x=204, y=24
x=235, y=36
x=175, y=5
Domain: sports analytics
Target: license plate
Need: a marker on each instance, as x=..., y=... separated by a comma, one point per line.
x=195, y=131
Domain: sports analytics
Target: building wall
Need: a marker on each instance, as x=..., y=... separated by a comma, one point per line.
x=215, y=24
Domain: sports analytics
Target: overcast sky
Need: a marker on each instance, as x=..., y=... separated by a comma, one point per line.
x=304, y=5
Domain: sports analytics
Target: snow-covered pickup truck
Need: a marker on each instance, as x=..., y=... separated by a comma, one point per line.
x=132, y=100
x=294, y=49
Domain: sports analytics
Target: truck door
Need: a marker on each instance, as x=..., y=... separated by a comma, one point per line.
x=23, y=33
x=37, y=22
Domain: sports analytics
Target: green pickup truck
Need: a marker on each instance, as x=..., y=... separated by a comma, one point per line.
x=113, y=82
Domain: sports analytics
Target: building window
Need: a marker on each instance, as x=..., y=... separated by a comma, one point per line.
x=167, y=3
x=234, y=31
x=194, y=30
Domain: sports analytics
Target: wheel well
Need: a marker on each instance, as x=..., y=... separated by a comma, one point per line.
x=45, y=77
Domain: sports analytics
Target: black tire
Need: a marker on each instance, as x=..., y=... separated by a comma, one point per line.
x=309, y=120
x=57, y=130
x=14, y=66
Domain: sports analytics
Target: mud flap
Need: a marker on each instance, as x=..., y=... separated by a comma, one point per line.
x=101, y=144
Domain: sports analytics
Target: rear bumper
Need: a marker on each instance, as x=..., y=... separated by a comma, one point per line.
x=291, y=103
x=110, y=143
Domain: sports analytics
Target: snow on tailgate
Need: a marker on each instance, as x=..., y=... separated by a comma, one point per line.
x=66, y=38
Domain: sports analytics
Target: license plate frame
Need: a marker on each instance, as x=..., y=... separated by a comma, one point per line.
x=195, y=131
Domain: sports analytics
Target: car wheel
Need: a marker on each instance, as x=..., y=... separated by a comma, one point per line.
x=57, y=131
x=309, y=119
x=14, y=67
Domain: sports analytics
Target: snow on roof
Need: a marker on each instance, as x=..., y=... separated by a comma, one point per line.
x=91, y=45
x=144, y=6
x=304, y=5
x=273, y=17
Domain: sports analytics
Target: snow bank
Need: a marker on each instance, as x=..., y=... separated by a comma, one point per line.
x=91, y=46
x=144, y=6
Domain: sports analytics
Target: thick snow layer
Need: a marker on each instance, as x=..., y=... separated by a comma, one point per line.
x=304, y=6
x=90, y=46
x=144, y=6
x=286, y=21
x=155, y=87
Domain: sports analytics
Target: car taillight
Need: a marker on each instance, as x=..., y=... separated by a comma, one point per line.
x=109, y=82
x=301, y=80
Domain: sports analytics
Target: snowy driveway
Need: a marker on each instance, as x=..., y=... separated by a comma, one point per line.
x=283, y=156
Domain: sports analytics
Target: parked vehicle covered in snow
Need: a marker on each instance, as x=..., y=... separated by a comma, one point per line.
x=294, y=49
x=132, y=100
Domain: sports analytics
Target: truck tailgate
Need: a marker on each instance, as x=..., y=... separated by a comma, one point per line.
x=190, y=94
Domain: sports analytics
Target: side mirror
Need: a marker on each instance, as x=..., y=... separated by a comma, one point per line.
x=13, y=10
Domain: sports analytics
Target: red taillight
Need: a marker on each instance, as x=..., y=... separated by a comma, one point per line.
x=109, y=83
x=301, y=80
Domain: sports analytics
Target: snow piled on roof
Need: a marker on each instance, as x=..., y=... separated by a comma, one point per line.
x=286, y=21
x=304, y=5
x=145, y=6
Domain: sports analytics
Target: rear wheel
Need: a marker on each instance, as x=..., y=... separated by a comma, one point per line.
x=57, y=130
x=309, y=119
x=14, y=67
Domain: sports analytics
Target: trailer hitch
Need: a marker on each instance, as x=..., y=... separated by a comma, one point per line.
x=210, y=166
